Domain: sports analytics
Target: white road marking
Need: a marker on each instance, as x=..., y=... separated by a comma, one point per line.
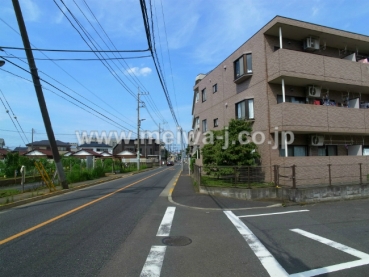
x=364, y=258
x=266, y=258
x=253, y=215
x=331, y=243
x=166, y=223
x=332, y=268
x=154, y=262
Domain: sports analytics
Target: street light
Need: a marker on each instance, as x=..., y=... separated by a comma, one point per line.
x=2, y=63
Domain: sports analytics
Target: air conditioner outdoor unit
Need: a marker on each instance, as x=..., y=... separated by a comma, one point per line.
x=317, y=140
x=313, y=91
x=311, y=43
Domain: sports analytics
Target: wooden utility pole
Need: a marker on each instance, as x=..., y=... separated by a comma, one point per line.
x=39, y=93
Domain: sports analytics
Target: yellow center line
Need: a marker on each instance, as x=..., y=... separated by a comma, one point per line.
x=72, y=211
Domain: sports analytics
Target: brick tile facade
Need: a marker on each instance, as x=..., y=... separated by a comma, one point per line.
x=325, y=68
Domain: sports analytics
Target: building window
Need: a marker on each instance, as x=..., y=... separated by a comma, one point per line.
x=150, y=151
x=245, y=109
x=197, y=123
x=294, y=151
x=243, y=67
x=203, y=95
x=204, y=126
x=328, y=150
x=197, y=96
x=216, y=122
x=215, y=88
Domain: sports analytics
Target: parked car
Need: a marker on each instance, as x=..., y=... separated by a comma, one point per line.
x=170, y=163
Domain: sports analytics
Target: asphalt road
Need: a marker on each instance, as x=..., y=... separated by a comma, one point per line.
x=122, y=234
x=79, y=243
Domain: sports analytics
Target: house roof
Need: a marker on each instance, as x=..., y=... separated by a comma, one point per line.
x=20, y=149
x=106, y=154
x=39, y=153
x=67, y=154
x=94, y=144
x=85, y=152
x=126, y=153
x=47, y=143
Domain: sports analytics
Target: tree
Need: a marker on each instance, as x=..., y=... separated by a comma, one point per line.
x=231, y=146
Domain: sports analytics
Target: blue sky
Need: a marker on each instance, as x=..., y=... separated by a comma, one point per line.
x=198, y=35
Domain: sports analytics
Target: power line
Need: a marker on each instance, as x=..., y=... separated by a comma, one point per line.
x=131, y=74
x=170, y=60
x=45, y=88
x=68, y=95
x=102, y=100
x=75, y=93
x=7, y=111
x=138, y=83
x=96, y=53
x=12, y=131
x=154, y=56
x=80, y=59
x=75, y=51
x=13, y=114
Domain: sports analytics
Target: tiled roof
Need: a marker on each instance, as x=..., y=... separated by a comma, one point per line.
x=47, y=143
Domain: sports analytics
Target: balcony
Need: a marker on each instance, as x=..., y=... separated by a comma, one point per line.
x=311, y=66
x=306, y=118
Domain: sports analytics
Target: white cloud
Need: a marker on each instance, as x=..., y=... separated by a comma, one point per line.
x=30, y=10
x=144, y=71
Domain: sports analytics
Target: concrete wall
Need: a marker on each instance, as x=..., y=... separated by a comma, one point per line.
x=306, y=195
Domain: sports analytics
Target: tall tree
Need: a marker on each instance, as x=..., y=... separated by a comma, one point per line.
x=231, y=146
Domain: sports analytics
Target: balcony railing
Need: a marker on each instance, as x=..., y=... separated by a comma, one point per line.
x=312, y=118
x=305, y=65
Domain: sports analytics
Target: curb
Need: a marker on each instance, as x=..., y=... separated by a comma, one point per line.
x=173, y=183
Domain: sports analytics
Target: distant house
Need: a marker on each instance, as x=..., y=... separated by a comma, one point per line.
x=149, y=147
x=73, y=146
x=2, y=143
x=39, y=153
x=20, y=150
x=3, y=153
x=63, y=147
x=84, y=153
x=96, y=147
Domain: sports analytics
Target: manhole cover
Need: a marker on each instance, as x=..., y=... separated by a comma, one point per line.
x=176, y=241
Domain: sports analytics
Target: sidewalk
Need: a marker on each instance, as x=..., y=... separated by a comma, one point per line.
x=184, y=193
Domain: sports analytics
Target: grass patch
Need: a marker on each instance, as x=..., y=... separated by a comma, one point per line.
x=215, y=182
x=9, y=192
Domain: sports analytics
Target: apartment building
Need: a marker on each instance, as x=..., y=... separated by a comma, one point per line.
x=293, y=76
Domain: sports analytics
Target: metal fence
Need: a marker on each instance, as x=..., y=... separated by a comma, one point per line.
x=321, y=175
x=293, y=176
x=236, y=176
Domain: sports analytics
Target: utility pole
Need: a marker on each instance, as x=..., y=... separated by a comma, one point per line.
x=138, y=129
x=32, y=140
x=145, y=145
x=159, y=147
x=182, y=148
x=40, y=95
